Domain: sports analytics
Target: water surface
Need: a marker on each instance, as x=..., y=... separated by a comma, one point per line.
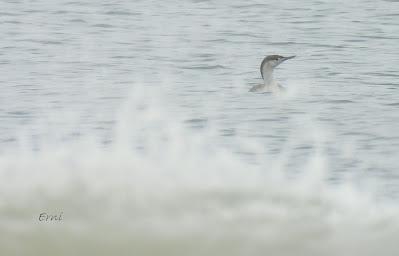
x=135, y=120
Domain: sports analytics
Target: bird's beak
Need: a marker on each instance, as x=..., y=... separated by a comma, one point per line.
x=287, y=58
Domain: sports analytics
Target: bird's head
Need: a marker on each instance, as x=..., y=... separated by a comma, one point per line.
x=275, y=60
x=270, y=62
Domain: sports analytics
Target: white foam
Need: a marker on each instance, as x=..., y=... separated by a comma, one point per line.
x=161, y=188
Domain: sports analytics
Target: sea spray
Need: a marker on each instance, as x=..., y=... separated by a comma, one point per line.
x=159, y=187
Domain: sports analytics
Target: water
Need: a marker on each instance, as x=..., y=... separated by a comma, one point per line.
x=133, y=120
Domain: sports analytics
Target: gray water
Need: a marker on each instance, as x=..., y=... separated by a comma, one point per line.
x=133, y=119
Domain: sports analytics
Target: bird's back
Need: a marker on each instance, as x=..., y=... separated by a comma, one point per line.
x=257, y=88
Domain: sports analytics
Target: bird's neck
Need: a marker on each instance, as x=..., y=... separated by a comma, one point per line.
x=268, y=77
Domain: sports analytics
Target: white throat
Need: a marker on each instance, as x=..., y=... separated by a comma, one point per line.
x=267, y=73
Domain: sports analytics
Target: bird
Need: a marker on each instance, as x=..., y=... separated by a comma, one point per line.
x=267, y=66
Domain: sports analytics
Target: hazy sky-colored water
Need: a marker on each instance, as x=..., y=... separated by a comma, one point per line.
x=80, y=59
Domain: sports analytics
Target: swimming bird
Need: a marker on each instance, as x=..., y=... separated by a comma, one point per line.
x=267, y=66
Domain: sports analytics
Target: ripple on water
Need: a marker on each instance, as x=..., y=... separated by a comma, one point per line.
x=102, y=25
x=340, y=101
x=392, y=104
x=202, y=67
x=17, y=114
